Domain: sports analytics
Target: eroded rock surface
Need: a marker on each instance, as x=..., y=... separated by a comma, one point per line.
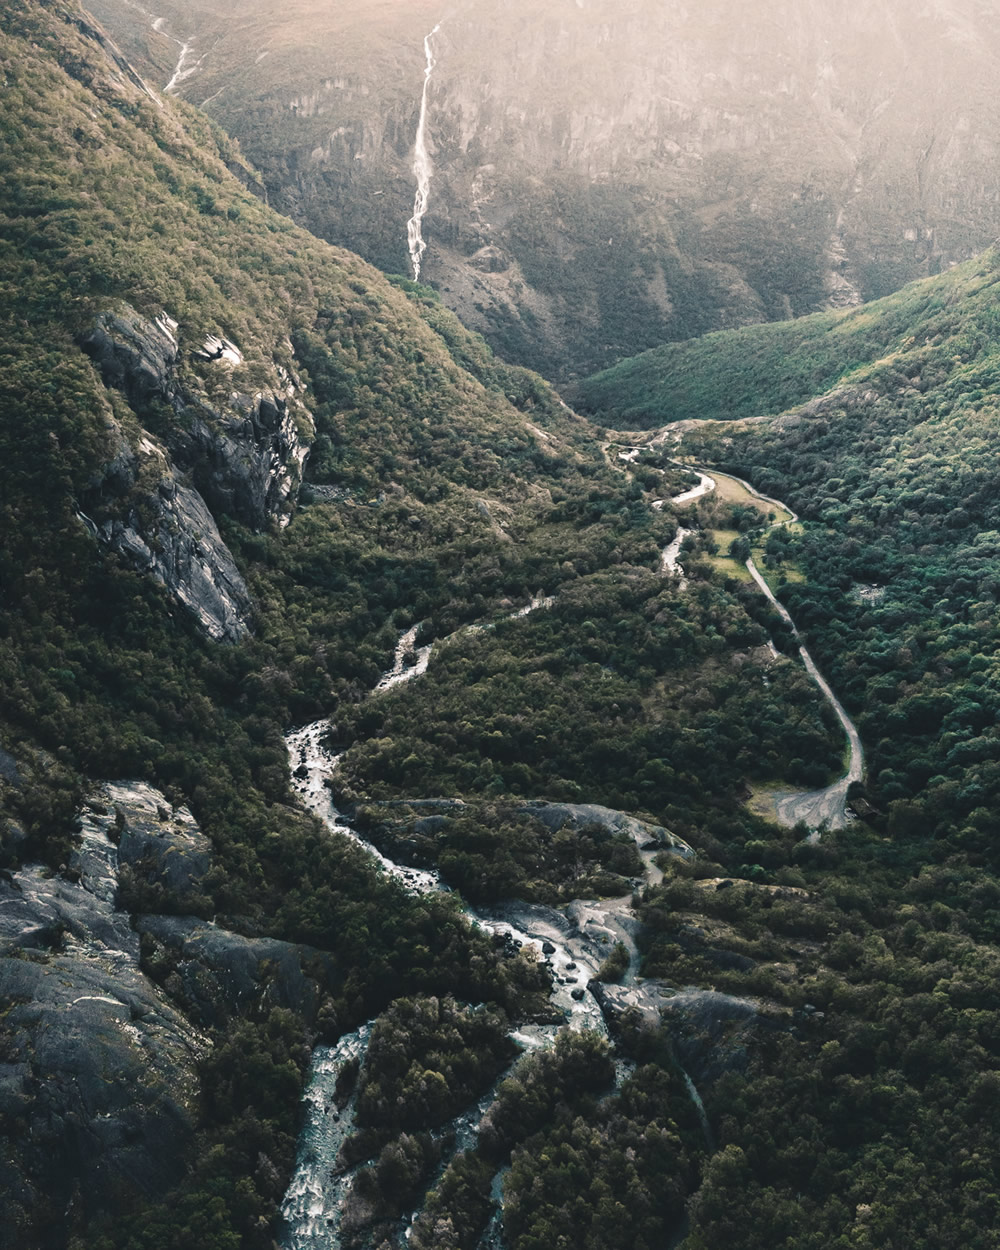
x=98, y=1081
x=156, y=501
x=714, y=1033
x=577, y=815
x=219, y=975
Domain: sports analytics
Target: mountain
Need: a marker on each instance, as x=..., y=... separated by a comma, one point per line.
x=367, y=717
x=607, y=177
x=238, y=464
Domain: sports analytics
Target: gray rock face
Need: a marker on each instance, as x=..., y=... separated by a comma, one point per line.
x=577, y=815
x=218, y=975
x=246, y=454
x=158, y=845
x=98, y=1067
x=172, y=536
x=714, y=1033
x=98, y=1082
x=135, y=355
x=245, y=459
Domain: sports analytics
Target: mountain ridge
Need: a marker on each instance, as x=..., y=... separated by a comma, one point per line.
x=608, y=178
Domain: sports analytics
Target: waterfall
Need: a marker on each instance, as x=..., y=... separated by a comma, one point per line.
x=422, y=167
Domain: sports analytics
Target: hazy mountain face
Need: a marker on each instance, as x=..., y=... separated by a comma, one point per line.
x=608, y=176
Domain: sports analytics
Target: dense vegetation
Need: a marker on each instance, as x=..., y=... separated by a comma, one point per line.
x=943, y=322
x=613, y=695
x=861, y=1122
x=851, y=1099
x=443, y=487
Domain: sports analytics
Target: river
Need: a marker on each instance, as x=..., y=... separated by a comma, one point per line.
x=572, y=944
x=314, y=1201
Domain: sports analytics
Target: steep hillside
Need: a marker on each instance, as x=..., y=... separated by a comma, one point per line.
x=946, y=323
x=607, y=177
x=236, y=465
x=881, y=427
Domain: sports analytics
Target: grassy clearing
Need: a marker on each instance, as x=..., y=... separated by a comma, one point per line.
x=732, y=490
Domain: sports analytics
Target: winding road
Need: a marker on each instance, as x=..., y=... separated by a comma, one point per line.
x=815, y=809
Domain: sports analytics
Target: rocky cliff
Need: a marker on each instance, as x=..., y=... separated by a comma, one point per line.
x=98, y=1082
x=610, y=176
x=237, y=454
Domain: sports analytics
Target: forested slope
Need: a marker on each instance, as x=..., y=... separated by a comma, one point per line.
x=880, y=427
x=941, y=330
x=236, y=464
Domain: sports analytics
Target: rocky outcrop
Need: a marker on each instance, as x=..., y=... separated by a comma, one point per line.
x=247, y=459
x=98, y=1054
x=577, y=815
x=246, y=455
x=155, y=503
x=159, y=848
x=135, y=355
x=171, y=535
x=218, y=975
x=98, y=1082
x=715, y=1033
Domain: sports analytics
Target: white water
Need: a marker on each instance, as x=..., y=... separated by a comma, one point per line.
x=314, y=1201
x=705, y=484
x=312, y=763
x=182, y=70
x=423, y=168
x=313, y=1204
x=538, y=601
x=400, y=672
x=670, y=559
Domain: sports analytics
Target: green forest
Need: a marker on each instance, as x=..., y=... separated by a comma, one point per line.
x=851, y=1065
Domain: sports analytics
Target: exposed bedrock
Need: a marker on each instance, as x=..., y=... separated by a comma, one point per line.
x=158, y=497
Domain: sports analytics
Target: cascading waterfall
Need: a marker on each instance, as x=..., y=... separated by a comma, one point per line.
x=422, y=167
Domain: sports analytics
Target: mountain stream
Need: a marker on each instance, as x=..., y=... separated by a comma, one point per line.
x=573, y=944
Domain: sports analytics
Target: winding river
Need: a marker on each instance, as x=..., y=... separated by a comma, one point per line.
x=572, y=944
x=314, y=1201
